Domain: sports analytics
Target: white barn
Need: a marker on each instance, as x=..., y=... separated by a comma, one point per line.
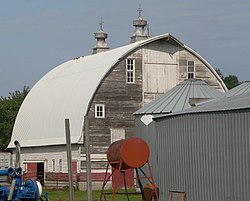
x=108, y=87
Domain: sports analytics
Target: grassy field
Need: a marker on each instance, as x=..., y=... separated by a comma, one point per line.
x=63, y=195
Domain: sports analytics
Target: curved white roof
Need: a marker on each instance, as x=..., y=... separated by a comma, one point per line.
x=65, y=92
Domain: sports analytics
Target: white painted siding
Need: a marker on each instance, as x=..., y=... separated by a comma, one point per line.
x=117, y=134
x=155, y=73
x=5, y=160
x=47, y=154
x=160, y=62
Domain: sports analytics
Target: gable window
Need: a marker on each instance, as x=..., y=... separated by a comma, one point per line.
x=190, y=69
x=99, y=111
x=130, y=71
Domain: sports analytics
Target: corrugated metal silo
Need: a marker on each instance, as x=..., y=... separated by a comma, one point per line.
x=205, y=151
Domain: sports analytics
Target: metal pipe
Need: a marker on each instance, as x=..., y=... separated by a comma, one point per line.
x=18, y=154
x=88, y=157
x=12, y=189
x=69, y=158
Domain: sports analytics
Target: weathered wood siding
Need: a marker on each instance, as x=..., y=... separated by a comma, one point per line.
x=121, y=101
x=201, y=70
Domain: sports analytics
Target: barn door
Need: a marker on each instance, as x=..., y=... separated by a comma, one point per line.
x=117, y=134
x=40, y=172
x=31, y=169
x=35, y=170
x=160, y=69
x=117, y=178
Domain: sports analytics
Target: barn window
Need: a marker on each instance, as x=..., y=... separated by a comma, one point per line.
x=83, y=165
x=190, y=69
x=53, y=165
x=60, y=165
x=4, y=163
x=99, y=111
x=130, y=70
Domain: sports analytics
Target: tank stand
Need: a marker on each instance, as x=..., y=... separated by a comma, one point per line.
x=149, y=191
x=117, y=165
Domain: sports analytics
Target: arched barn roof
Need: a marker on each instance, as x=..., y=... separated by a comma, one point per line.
x=178, y=98
x=66, y=92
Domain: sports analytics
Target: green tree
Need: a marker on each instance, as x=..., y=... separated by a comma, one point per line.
x=230, y=81
x=9, y=107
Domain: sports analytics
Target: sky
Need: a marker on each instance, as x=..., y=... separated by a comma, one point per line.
x=38, y=35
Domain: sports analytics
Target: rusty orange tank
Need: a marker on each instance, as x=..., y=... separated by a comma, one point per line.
x=129, y=153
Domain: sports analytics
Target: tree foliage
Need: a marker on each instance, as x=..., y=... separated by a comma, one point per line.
x=9, y=107
x=230, y=81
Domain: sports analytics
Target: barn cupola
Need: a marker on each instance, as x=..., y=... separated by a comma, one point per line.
x=100, y=36
x=141, y=31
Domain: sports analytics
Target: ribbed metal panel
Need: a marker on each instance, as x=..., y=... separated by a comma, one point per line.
x=240, y=89
x=237, y=102
x=206, y=155
x=178, y=98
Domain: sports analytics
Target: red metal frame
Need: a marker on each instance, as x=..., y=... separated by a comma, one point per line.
x=119, y=163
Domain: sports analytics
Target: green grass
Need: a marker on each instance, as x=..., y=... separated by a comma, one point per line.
x=63, y=195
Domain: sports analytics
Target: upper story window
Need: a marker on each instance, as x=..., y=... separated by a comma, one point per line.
x=190, y=69
x=130, y=70
x=99, y=110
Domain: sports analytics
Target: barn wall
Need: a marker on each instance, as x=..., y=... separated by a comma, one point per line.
x=164, y=65
x=5, y=160
x=206, y=155
x=121, y=101
x=160, y=68
x=201, y=70
x=47, y=154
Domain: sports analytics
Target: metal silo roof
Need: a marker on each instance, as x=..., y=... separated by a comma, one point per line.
x=236, y=102
x=178, y=98
x=240, y=89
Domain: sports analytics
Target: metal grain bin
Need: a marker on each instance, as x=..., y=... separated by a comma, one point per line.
x=205, y=151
